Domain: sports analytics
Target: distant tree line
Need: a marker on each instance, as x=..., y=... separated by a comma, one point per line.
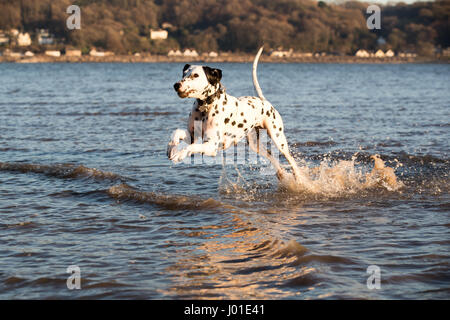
x=123, y=26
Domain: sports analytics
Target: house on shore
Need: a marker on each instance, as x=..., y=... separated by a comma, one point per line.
x=12, y=54
x=23, y=39
x=389, y=53
x=281, y=53
x=379, y=54
x=95, y=53
x=3, y=38
x=407, y=54
x=190, y=53
x=159, y=34
x=173, y=53
x=45, y=38
x=361, y=53
x=53, y=53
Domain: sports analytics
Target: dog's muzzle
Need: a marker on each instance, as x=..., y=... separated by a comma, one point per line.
x=177, y=87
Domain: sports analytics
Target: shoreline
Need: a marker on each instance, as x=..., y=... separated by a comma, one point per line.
x=224, y=58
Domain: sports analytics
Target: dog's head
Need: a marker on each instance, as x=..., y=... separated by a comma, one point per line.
x=198, y=82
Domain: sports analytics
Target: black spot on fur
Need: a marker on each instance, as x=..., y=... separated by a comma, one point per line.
x=233, y=123
x=267, y=113
x=240, y=125
x=227, y=120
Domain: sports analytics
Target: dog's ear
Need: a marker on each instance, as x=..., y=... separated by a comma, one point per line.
x=186, y=66
x=213, y=75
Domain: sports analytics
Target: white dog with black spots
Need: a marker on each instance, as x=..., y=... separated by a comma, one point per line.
x=226, y=119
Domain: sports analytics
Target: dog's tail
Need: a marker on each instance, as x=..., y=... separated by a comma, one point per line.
x=255, y=78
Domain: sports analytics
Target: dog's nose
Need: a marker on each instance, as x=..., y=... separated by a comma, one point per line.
x=177, y=86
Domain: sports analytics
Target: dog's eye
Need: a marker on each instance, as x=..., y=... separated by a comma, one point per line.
x=195, y=75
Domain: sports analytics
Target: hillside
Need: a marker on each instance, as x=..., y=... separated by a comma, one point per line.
x=123, y=26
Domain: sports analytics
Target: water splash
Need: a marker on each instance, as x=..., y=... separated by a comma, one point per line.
x=330, y=178
x=342, y=177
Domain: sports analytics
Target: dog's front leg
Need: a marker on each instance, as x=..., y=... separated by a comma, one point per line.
x=177, y=136
x=208, y=148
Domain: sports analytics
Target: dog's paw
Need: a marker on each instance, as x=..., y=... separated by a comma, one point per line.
x=171, y=150
x=180, y=155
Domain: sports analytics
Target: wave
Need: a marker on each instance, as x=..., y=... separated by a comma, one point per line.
x=63, y=171
x=355, y=178
x=314, y=144
x=117, y=114
x=171, y=202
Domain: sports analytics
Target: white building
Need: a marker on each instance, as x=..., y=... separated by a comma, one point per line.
x=190, y=53
x=44, y=37
x=173, y=53
x=281, y=53
x=23, y=39
x=53, y=53
x=362, y=54
x=158, y=34
x=379, y=54
x=3, y=38
x=14, y=32
x=389, y=53
x=9, y=53
x=167, y=25
x=95, y=53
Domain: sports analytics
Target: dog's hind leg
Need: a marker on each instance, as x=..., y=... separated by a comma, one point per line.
x=253, y=142
x=276, y=133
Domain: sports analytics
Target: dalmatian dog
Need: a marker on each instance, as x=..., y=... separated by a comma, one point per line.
x=226, y=119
